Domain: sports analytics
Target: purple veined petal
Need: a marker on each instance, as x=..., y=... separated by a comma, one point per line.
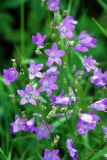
x=51, y=128
x=54, y=47
x=39, y=35
x=69, y=34
x=32, y=101
x=23, y=101
x=62, y=35
x=36, y=129
x=54, y=86
x=39, y=135
x=28, y=88
x=50, y=61
x=46, y=135
x=49, y=92
x=60, y=53
x=32, y=64
x=41, y=89
x=56, y=151
x=47, y=151
x=53, y=79
x=21, y=92
x=81, y=48
x=36, y=92
x=39, y=74
x=39, y=67
x=58, y=61
x=34, y=39
x=41, y=81
x=48, y=51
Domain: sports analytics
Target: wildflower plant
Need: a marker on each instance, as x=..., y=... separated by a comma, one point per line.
x=52, y=89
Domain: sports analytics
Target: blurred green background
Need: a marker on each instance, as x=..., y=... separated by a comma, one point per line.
x=19, y=20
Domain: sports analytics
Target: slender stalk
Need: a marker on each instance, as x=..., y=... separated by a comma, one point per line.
x=69, y=6
x=3, y=154
x=22, y=27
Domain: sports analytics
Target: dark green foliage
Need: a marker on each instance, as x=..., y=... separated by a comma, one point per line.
x=19, y=20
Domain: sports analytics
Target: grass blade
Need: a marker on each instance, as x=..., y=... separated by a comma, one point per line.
x=100, y=27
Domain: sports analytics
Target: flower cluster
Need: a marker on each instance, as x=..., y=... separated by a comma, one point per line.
x=47, y=82
x=87, y=122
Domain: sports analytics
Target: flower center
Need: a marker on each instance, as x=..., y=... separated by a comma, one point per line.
x=45, y=83
x=52, y=55
x=64, y=29
x=12, y=74
x=32, y=71
x=28, y=96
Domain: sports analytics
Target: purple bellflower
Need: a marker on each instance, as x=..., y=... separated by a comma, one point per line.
x=54, y=55
x=38, y=39
x=61, y=100
x=28, y=95
x=22, y=125
x=52, y=71
x=98, y=78
x=18, y=125
x=34, y=70
x=66, y=27
x=43, y=130
x=88, y=63
x=51, y=155
x=47, y=84
x=53, y=5
x=85, y=42
x=72, y=151
x=87, y=122
x=10, y=75
x=100, y=105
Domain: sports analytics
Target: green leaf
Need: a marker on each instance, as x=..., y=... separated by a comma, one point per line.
x=99, y=154
x=103, y=4
x=100, y=27
x=12, y=3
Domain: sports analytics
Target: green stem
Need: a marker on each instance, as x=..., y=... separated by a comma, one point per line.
x=3, y=154
x=69, y=7
x=22, y=27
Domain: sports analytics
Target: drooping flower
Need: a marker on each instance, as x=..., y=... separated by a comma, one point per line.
x=10, y=75
x=28, y=95
x=38, y=39
x=100, y=105
x=88, y=63
x=43, y=130
x=85, y=42
x=72, y=151
x=52, y=71
x=54, y=55
x=51, y=155
x=53, y=5
x=66, y=27
x=22, y=125
x=61, y=100
x=105, y=130
x=34, y=70
x=87, y=122
x=98, y=78
x=47, y=84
